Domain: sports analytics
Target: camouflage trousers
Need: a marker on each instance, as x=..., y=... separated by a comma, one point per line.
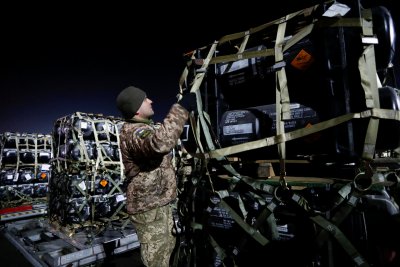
x=154, y=231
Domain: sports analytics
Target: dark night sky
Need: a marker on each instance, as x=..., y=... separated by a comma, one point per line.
x=62, y=59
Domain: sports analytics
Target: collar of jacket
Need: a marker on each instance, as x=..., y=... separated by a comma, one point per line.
x=146, y=121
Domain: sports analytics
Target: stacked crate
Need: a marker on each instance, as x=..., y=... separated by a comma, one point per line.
x=87, y=173
x=25, y=168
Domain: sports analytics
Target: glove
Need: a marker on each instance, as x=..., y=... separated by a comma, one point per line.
x=188, y=101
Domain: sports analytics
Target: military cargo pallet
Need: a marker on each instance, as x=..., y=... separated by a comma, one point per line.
x=44, y=245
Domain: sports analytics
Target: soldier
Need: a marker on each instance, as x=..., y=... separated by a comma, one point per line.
x=146, y=151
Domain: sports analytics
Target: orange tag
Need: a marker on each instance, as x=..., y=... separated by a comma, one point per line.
x=103, y=183
x=303, y=60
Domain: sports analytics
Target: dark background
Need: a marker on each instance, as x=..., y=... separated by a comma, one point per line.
x=59, y=59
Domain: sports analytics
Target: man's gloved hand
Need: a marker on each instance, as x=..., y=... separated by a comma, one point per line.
x=188, y=101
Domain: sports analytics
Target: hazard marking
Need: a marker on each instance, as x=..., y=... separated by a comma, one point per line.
x=303, y=60
x=15, y=209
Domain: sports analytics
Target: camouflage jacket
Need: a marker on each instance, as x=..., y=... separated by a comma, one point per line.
x=146, y=150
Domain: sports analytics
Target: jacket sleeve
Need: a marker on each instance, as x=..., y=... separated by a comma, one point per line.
x=165, y=135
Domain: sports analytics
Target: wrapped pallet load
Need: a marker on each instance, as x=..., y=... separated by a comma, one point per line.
x=87, y=181
x=25, y=171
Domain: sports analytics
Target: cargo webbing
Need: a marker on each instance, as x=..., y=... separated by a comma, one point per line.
x=285, y=44
x=281, y=98
x=231, y=37
x=341, y=239
x=281, y=45
x=330, y=226
x=217, y=248
x=82, y=148
x=282, y=93
x=195, y=89
x=340, y=215
x=273, y=140
x=242, y=55
x=342, y=209
x=184, y=74
x=201, y=114
x=281, y=80
x=348, y=195
x=224, y=193
x=266, y=216
x=368, y=74
x=121, y=164
x=88, y=162
x=249, y=229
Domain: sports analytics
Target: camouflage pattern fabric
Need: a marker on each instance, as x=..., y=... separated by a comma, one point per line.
x=154, y=230
x=147, y=157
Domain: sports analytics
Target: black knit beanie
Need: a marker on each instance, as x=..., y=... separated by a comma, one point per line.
x=129, y=101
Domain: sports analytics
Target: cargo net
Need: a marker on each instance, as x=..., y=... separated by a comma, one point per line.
x=87, y=183
x=304, y=86
x=25, y=168
x=300, y=96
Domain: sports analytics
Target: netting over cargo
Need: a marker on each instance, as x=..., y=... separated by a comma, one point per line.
x=87, y=186
x=306, y=96
x=25, y=168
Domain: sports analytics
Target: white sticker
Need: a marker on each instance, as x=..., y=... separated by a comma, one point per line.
x=45, y=167
x=336, y=10
x=84, y=125
x=120, y=198
x=82, y=185
x=244, y=128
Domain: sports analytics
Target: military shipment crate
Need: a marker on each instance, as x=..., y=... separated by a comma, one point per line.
x=87, y=180
x=25, y=170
